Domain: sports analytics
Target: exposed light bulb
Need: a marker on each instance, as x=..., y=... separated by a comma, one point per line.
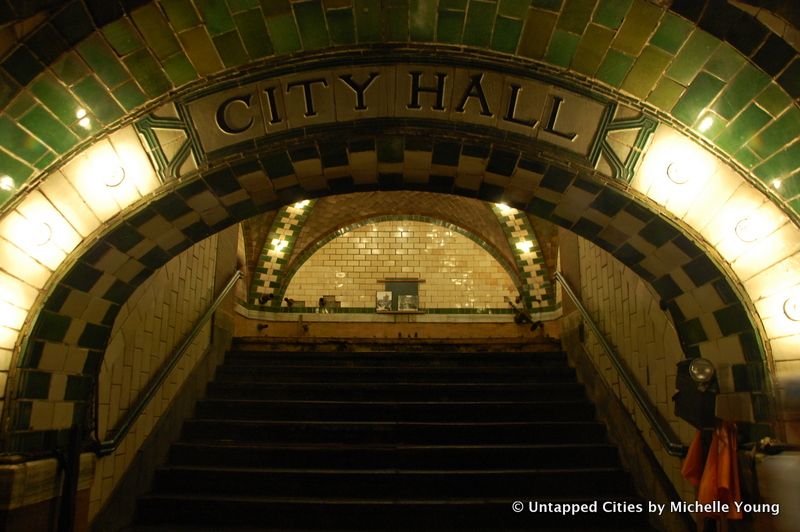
x=85, y=123
x=705, y=124
x=7, y=183
x=524, y=246
x=279, y=244
x=301, y=204
x=80, y=113
x=776, y=183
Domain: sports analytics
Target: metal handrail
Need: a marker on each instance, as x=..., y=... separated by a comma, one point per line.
x=122, y=428
x=665, y=434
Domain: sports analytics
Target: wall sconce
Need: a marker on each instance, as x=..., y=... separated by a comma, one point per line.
x=114, y=176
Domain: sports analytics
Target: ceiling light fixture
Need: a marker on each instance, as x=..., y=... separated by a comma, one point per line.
x=114, y=176
x=40, y=233
x=747, y=230
x=677, y=173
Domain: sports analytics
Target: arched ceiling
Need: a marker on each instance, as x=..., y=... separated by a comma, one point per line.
x=719, y=242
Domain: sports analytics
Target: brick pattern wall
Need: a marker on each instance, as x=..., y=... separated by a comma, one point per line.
x=458, y=273
x=149, y=326
x=627, y=312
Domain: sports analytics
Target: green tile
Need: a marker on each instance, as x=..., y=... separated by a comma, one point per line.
x=284, y=34
x=48, y=158
x=129, y=95
x=254, y=33
x=181, y=14
x=96, y=98
x=611, y=13
x=70, y=68
x=747, y=158
x=179, y=69
x=536, y=33
x=741, y=90
x=697, y=97
x=781, y=132
x=275, y=7
x=747, y=124
x=671, y=33
x=239, y=6
x=311, y=23
x=646, y=71
x=514, y=8
x=506, y=34
x=452, y=5
x=19, y=142
x=639, y=24
x=230, y=48
x=20, y=105
x=157, y=33
x=395, y=24
x=201, y=51
x=774, y=99
x=790, y=187
x=148, y=73
x=49, y=130
x=698, y=48
x=781, y=164
x=423, y=20
x=123, y=37
x=341, y=25
x=216, y=16
x=480, y=19
x=102, y=60
x=550, y=5
x=725, y=62
x=591, y=49
x=15, y=168
x=562, y=48
x=56, y=98
x=368, y=20
x=575, y=15
x=614, y=67
x=450, y=26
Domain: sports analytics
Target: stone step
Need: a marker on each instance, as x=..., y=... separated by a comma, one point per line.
x=406, y=456
x=393, y=432
x=243, y=409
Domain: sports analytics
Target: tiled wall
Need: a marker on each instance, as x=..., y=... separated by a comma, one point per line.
x=458, y=273
x=627, y=312
x=149, y=326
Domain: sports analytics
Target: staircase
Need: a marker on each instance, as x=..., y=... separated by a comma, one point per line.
x=389, y=441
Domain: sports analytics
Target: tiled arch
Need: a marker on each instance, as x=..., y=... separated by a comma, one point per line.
x=693, y=58
x=298, y=230
x=77, y=315
x=306, y=253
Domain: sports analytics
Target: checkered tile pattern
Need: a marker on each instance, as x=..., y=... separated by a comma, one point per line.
x=77, y=316
x=539, y=293
x=278, y=247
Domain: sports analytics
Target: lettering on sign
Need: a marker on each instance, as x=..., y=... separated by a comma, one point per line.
x=528, y=107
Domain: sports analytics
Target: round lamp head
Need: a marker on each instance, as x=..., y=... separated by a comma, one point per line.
x=701, y=370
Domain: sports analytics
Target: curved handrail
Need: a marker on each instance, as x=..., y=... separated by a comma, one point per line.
x=665, y=434
x=122, y=427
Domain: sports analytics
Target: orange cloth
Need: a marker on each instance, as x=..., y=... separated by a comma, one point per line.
x=718, y=480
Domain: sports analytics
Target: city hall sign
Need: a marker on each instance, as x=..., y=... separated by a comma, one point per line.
x=527, y=107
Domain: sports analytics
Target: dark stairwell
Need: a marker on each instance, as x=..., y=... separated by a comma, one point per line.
x=390, y=441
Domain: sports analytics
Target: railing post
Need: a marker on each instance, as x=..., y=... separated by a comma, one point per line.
x=70, y=460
